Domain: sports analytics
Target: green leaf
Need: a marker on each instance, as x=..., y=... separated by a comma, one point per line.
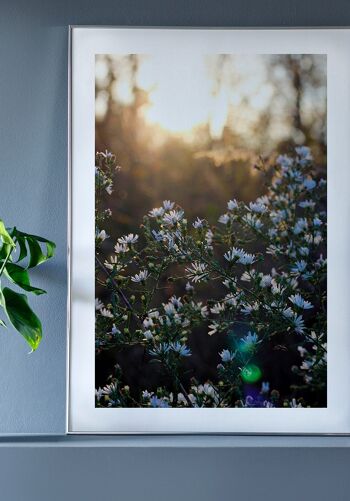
x=37, y=256
x=22, y=248
x=5, y=236
x=5, y=251
x=22, y=316
x=20, y=277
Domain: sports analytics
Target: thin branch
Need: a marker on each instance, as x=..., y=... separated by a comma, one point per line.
x=118, y=289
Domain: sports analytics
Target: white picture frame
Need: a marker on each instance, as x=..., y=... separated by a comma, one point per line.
x=82, y=416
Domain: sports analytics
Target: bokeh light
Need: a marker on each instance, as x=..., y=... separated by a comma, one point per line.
x=251, y=373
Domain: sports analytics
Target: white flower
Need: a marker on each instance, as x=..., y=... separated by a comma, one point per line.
x=274, y=250
x=173, y=217
x=120, y=248
x=102, y=235
x=169, y=309
x=248, y=275
x=109, y=188
x=247, y=259
x=158, y=235
x=146, y=394
x=98, y=394
x=257, y=207
x=303, y=152
x=153, y=314
x=247, y=309
x=302, y=351
x=181, y=349
x=213, y=328
x=148, y=322
x=148, y=335
x=227, y=355
x=306, y=365
x=115, y=331
x=321, y=262
x=303, y=251
x=224, y=219
x=294, y=174
x=161, y=349
x=288, y=312
x=300, y=226
x=299, y=325
x=128, y=239
x=253, y=221
x=209, y=390
x=276, y=288
x=189, y=287
x=309, y=184
x=265, y=281
x=112, y=263
x=199, y=223
x=106, y=313
x=140, y=277
x=264, y=199
x=168, y=205
x=203, y=310
x=157, y=212
x=234, y=254
x=218, y=308
x=299, y=266
x=176, y=301
x=300, y=302
x=293, y=403
x=98, y=304
x=285, y=161
x=159, y=402
x=239, y=256
x=230, y=299
x=307, y=204
x=109, y=388
x=181, y=399
x=229, y=283
x=198, y=272
x=318, y=239
x=209, y=238
x=206, y=389
x=278, y=216
x=232, y=204
x=317, y=221
x=250, y=340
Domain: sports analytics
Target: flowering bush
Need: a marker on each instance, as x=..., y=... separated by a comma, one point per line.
x=267, y=259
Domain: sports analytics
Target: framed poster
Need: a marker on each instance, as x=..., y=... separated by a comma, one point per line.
x=208, y=192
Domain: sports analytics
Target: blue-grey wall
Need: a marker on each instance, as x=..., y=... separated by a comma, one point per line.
x=117, y=474
x=33, y=159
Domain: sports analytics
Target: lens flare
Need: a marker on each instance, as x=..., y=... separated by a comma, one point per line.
x=251, y=373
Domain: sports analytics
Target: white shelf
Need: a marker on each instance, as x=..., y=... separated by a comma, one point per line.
x=175, y=441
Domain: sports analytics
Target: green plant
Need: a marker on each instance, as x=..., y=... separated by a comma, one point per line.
x=19, y=254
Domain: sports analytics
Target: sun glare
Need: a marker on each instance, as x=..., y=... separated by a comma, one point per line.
x=182, y=93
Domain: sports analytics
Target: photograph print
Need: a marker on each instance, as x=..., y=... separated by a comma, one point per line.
x=210, y=231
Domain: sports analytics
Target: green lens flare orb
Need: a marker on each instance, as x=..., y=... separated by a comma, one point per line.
x=251, y=373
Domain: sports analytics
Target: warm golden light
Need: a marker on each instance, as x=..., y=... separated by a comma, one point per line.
x=183, y=95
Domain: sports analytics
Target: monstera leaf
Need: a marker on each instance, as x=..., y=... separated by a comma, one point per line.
x=19, y=253
x=22, y=316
